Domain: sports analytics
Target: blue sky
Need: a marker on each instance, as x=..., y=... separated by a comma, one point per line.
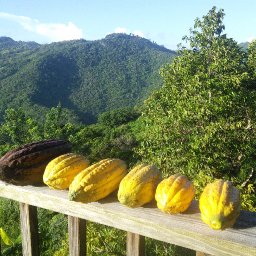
x=162, y=21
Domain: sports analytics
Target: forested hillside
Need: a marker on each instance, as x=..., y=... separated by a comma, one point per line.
x=85, y=77
x=244, y=45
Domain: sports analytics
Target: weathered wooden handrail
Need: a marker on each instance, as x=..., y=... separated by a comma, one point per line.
x=185, y=230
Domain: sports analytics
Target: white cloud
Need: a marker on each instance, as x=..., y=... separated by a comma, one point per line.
x=138, y=33
x=127, y=31
x=59, y=32
x=251, y=38
x=121, y=30
x=53, y=31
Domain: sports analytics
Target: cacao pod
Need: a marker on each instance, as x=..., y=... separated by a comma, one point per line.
x=97, y=181
x=25, y=165
x=60, y=172
x=220, y=204
x=138, y=187
x=174, y=194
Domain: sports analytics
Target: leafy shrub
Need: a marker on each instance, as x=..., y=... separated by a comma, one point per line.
x=203, y=119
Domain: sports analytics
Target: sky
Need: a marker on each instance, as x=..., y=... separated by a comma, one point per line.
x=162, y=21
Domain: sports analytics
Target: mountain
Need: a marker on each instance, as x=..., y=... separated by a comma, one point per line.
x=85, y=77
x=9, y=43
x=244, y=45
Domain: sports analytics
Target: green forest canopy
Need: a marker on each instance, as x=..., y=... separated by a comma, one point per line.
x=85, y=77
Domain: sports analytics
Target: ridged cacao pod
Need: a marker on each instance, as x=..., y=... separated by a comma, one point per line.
x=220, y=204
x=25, y=165
x=174, y=194
x=60, y=172
x=138, y=187
x=97, y=181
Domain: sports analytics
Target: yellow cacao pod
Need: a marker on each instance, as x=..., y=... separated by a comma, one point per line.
x=60, y=172
x=97, y=181
x=174, y=194
x=220, y=204
x=139, y=185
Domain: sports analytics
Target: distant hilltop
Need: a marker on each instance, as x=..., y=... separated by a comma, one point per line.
x=7, y=42
x=85, y=77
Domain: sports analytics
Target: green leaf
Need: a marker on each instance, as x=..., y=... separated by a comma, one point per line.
x=6, y=239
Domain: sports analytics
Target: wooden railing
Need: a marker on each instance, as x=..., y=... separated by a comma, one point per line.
x=185, y=230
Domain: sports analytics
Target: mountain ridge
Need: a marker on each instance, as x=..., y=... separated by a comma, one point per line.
x=86, y=77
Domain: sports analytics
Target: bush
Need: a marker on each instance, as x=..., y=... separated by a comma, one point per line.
x=203, y=119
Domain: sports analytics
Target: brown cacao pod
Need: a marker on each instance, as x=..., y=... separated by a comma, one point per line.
x=25, y=165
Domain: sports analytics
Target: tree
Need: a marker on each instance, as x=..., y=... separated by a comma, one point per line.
x=17, y=129
x=118, y=117
x=202, y=122
x=56, y=124
x=252, y=57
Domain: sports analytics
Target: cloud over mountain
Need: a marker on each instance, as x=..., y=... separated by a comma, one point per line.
x=53, y=31
x=127, y=31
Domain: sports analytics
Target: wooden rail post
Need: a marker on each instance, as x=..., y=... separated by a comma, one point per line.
x=29, y=230
x=77, y=236
x=135, y=245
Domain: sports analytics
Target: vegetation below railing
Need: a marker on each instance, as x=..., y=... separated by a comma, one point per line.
x=53, y=228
